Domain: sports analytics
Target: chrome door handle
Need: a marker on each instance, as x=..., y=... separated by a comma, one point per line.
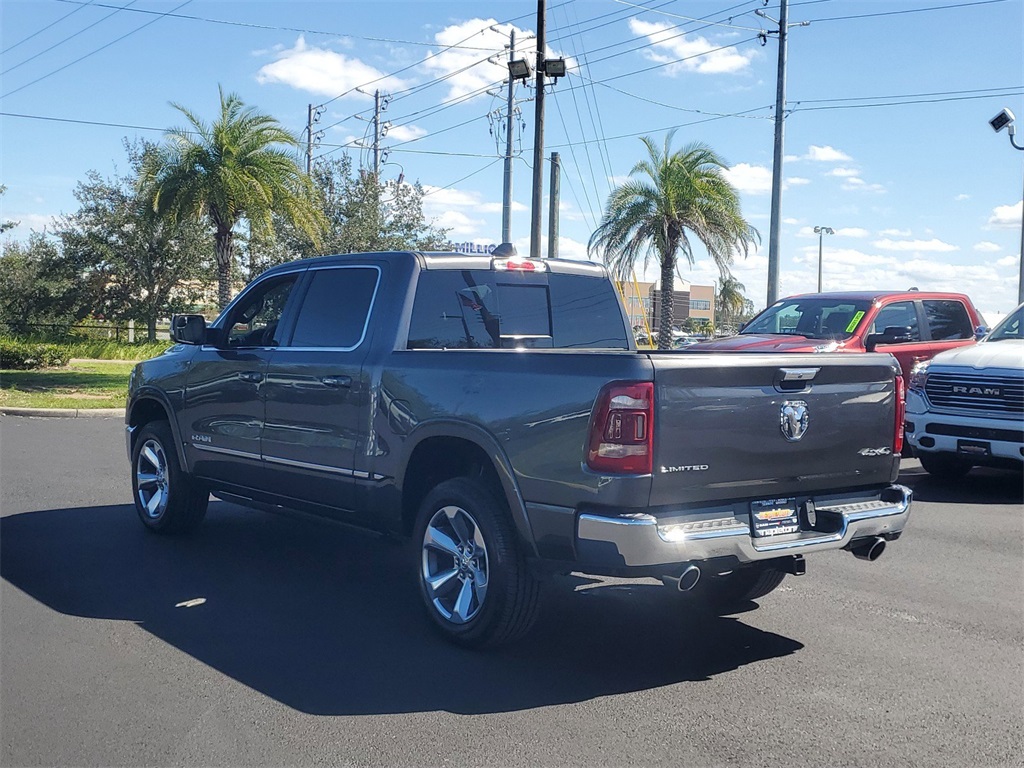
x=337, y=381
x=252, y=376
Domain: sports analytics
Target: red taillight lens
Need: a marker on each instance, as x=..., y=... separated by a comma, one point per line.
x=901, y=413
x=621, y=429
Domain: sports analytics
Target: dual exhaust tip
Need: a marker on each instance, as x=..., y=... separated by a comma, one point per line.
x=685, y=581
x=868, y=549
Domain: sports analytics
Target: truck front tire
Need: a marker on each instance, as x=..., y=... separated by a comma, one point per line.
x=471, y=572
x=167, y=499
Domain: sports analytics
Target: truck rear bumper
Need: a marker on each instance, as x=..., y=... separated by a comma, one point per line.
x=643, y=540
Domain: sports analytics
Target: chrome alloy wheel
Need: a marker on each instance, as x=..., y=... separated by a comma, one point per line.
x=455, y=566
x=151, y=479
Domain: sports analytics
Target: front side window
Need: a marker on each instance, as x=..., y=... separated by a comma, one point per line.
x=336, y=308
x=1010, y=327
x=948, y=320
x=254, y=320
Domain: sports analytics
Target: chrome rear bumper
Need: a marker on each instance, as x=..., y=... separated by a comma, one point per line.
x=645, y=540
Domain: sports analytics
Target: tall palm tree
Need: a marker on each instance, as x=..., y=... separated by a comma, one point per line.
x=235, y=169
x=671, y=197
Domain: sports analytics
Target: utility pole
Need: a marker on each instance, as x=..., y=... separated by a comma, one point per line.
x=780, y=116
x=309, y=141
x=553, y=209
x=538, y=139
x=376, y=134
x=506, y=200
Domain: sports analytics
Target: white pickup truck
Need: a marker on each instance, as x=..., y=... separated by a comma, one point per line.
x=965, y=407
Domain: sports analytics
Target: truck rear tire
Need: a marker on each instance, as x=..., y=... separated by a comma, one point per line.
x=944, y=465
x=471, y=571
x=167, y=499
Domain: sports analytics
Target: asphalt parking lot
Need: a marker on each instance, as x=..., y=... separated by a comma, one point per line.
x=267, y=640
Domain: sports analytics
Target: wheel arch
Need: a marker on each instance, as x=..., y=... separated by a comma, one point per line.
x=442, y=451
x=153, y=406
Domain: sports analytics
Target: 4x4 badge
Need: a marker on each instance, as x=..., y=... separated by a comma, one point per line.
x=793, y=419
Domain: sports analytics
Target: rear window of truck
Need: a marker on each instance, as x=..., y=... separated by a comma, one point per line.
x=481, y=309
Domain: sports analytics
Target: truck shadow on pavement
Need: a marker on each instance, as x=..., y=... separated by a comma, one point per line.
x=326, y=620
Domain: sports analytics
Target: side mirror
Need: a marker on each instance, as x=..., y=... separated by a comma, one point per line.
x=893, y=334
x=981, y=332
x=188, y=329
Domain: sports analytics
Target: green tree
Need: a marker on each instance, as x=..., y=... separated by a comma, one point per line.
x=233, y=170
x=146, y=265
x=360, y=215
x=6, y=225
x=671, y=197
x=41, y=292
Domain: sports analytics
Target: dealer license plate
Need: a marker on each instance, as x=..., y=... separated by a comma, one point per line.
x=974, y=447
x=774, y=517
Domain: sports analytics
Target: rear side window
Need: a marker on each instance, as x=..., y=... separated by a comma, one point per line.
x=901, y=314
x=336, y=308
x=948, y=319
x=480, y=309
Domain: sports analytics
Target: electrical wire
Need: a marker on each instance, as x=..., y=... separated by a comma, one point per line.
x=93, y=52
x=48, y=26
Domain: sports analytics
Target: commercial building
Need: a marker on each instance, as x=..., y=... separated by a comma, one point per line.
x=643, y=300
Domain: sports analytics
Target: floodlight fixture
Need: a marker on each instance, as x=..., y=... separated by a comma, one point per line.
x=519, y=69
x=554, y=68
x=1000, y=121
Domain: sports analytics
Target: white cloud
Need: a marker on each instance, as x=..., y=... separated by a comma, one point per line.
x=325, y=72
x=844, y=173
x=961, y=197
x=1006, y=216
x=986, y=247
x=797, y=181
x=27, y=224
x=755, y=179
x=689, y=53
x=895, y=233
x=406, y=133
x=459, y=224
x=856, y=184
x=467, y=71
x=852, y=232
x=930, y=246
x=826, y=154
x=1008, y=261
x=791, y=221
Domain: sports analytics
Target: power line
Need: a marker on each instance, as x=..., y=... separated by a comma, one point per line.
x=467, y=176
x=48, y=26
x=61, y=42
x=102, y=47
x=969, y=91
x=908, y=10
x=904, y=103
x=50, y=119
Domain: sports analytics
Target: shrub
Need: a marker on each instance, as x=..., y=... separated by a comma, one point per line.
x=24, y=355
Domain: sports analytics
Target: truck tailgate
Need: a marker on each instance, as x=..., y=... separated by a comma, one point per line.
x=734, y=426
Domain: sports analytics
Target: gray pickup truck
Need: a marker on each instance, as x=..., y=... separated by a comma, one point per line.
x=497, y=411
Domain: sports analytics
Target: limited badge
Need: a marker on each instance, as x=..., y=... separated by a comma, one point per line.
x=793, y=419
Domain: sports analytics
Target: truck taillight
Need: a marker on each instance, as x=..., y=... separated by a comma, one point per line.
x=621, y=429
x=901, y=413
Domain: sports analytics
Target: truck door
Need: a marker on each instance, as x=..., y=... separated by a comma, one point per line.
x=317, y=399
x=223, y=412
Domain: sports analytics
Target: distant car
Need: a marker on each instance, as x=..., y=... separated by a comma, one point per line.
x=911, y=325
x=965, y=407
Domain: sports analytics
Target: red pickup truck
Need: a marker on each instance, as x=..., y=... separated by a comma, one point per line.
x=911, y=325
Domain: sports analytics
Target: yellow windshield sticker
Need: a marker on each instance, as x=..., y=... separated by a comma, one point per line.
x=854, y=321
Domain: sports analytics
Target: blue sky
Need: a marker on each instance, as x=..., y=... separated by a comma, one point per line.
x=887, y=136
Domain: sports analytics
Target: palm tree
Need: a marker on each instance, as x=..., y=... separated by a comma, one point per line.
x=684, y=194
x=231, y=170
x=730, y=300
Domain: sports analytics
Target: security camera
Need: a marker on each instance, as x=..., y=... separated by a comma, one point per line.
x=1000, y=121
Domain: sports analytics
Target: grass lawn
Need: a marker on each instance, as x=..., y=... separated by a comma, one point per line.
x=78, y=385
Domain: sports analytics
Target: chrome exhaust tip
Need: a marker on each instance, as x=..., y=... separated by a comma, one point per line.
x=869, y=549
x=685, y=581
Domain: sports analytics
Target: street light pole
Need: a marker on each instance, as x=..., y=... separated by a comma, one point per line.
x=1005, y=120
x=821, y=232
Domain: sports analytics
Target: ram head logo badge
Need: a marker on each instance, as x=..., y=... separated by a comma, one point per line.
x=793, y=419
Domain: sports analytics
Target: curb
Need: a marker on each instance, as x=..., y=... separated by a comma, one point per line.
x=65, y=413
